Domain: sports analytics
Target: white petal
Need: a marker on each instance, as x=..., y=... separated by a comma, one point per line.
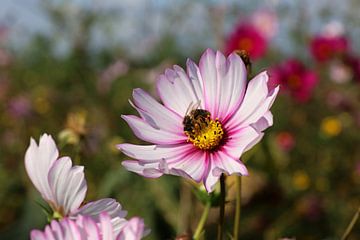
x=106, y=205
x=68, y=184
x=223, y=163
x=154, y=152
x=177, y=91
x=150, y=134
x=264, y=122
x=156, y=114
x=149, y=170
x=38, y=161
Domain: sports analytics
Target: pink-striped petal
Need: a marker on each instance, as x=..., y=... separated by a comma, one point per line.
x=150, y=134
x=38, y=161
x=257, y=101
x=239, y=140
x=149, y=170
x=207, y=66
x=232, y=74
x=68, y=185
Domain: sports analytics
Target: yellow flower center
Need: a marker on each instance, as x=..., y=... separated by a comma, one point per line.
x=202, y=131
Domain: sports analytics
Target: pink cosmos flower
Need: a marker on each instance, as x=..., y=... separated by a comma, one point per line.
x=247, y=37
x=85, y=228
x=63, y=185
x=266, y=22
x=210, y=115
x=294, y=78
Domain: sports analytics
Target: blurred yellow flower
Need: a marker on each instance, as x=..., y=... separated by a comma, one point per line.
x=331, y=126
x=68, y=136
x=301, y=180
x=76, y=121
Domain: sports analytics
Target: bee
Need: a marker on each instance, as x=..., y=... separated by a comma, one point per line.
x=195, y=118
x=244, y=55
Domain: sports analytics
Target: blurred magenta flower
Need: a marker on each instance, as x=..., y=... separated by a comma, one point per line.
x=210, y=115
x=294, y=78
x=353, y=62
x=247, y=37
x=285, y=140
x=85, y=228
x=326, y=48
x=63, y=185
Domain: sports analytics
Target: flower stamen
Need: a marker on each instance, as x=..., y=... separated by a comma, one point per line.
x=204, y=132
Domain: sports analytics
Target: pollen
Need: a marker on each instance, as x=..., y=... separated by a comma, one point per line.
x=204, y=132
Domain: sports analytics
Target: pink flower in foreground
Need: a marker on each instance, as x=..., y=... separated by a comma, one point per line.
x=209, y=117
x=246, y=37
x=294, y=78
x=63, y=185
x=85, y=228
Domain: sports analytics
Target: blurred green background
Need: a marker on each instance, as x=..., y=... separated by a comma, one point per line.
x=68, y=68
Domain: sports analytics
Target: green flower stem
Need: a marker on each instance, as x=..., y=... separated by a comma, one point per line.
x=351, y=225
x=222, y=208
x=237, y=208
x=202, y=221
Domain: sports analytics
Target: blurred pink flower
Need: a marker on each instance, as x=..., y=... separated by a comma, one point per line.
x=294, y=78
x=110, y=74
x=63, y=185
x=209, y=117
x=340, y=72
x=19, y=107
x=285, y=140
x=247, y=37
x=266, y=22
x=85, y=228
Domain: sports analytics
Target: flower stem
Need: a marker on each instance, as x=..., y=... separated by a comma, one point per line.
x=237, y=208
x=222, y=208
x=351, y=225
x=202, y=221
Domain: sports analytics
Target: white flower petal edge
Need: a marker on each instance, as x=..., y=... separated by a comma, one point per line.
x=38, y=161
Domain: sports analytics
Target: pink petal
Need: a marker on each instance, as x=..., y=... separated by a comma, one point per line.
x=156, y=114
x=133, y=230
x=89, y=227
x=154, y=152
x=194, y=74
x=68, y=184
x=38, y=235
x=38, y=161
x=148, y=133
x=177, y=91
